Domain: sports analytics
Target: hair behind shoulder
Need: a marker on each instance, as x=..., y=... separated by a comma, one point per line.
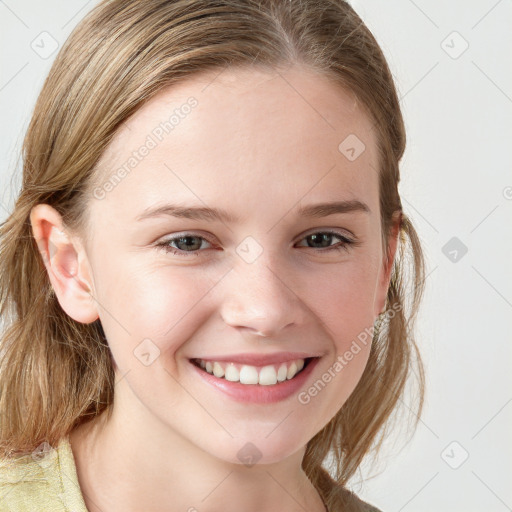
x=56, y=373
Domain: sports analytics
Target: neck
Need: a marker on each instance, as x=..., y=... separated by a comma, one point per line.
x=128, y=463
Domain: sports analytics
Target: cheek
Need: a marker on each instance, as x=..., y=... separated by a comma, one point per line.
x=344, y=304
x=344, y=300
x=345, y=307
x=162, y=307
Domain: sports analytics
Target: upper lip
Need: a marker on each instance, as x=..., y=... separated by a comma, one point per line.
x=260, y=359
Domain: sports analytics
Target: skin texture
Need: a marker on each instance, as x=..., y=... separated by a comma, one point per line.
x=258, y=145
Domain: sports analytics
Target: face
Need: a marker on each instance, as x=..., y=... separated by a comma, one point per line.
x=268, y=275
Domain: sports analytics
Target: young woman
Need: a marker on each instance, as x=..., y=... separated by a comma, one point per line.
x=203, y=279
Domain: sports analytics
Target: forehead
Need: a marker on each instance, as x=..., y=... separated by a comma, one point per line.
x=244, y=135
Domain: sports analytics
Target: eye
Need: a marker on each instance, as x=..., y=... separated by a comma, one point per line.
x=186, y=243
x=323, y=238
x=191, y=243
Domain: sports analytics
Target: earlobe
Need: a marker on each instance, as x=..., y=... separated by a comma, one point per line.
x=62, y=255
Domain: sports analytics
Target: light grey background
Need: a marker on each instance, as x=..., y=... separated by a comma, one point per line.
x=456, y=182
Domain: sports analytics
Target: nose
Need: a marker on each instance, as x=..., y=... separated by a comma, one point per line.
x=260, y=300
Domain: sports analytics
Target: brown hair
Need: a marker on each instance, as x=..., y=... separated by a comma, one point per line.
x=56, y=373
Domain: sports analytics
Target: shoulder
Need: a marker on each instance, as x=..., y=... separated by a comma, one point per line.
x=364, y=506
x=341, y=498
x=46, y=481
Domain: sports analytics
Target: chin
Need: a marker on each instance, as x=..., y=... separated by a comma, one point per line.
x=258, y=450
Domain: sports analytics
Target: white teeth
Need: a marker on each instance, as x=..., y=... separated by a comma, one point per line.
x=218, y=371
x=291, y=371
x=246, y=374
x=281, y=374
x=268, y=376
x=232, y=373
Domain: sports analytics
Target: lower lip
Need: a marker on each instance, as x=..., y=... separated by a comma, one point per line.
x=257, y=393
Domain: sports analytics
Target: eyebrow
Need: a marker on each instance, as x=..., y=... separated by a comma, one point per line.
x=220, y=215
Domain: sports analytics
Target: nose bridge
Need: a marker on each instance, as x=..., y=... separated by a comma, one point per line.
x=258, y=297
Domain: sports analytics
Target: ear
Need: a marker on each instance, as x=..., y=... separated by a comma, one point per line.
x=387, y=264
x=66, y=263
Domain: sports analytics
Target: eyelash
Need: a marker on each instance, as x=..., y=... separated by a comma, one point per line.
x=344, y=246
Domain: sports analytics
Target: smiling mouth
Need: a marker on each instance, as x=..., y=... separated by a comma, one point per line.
x=268, y=375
